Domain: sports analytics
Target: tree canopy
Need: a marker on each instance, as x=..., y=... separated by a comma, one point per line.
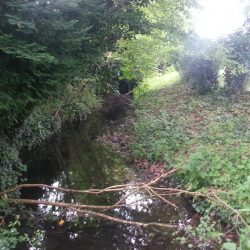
x=144, y=55
x=44, y=44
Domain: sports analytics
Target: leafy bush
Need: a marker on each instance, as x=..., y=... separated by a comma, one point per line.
x=201, y=73
x=11, y=166
x=237, y=67
x=235, y=77
x=205, y=234
x=76, y=102
x=10, y=237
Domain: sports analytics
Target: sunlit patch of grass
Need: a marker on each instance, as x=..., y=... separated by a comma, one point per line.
x=156, y=83
x=161, y=81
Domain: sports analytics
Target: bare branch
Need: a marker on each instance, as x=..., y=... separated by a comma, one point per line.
x=147, y=187
x=117, y=220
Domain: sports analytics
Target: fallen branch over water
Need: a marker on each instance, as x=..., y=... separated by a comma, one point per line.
x=92, y=191
x=99, y=210
x=117, y=220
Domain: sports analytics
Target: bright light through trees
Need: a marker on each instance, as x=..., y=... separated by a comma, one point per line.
x=218, y=17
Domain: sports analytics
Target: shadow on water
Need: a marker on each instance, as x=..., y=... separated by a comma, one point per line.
x=76, y=159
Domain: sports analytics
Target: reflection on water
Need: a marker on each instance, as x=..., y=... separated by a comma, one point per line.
x=77, y=160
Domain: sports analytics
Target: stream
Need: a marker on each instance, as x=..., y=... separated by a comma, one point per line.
x=77, y=159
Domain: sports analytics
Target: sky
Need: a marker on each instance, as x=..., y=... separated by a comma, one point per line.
x=218, y=17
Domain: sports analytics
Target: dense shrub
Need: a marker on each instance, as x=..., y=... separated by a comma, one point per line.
x=11, y=166
x=235, y=77
x=201, y=73
x=237, y=67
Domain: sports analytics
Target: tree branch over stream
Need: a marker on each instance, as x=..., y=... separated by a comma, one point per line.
x=150, y=188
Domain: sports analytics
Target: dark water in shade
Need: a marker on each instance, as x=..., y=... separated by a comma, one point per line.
x=76, y=159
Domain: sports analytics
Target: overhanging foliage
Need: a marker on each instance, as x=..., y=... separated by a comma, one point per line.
x=44, y=44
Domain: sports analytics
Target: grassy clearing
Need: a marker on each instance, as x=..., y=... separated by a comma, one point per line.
x=161, y=81
x=157, y=82
x=208, y=139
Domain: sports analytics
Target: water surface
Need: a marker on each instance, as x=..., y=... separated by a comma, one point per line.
x=77, y=159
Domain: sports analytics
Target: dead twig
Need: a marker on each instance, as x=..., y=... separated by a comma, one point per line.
x=162, y=198
x=58, y=110
x=226, y=205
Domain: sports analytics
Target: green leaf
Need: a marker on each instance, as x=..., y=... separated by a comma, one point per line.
x=229, y=246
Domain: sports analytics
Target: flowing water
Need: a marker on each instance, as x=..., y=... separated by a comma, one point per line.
x=77, y=159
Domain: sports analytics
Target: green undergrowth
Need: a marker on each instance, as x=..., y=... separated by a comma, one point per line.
x=208, y=138
x=74, y=104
